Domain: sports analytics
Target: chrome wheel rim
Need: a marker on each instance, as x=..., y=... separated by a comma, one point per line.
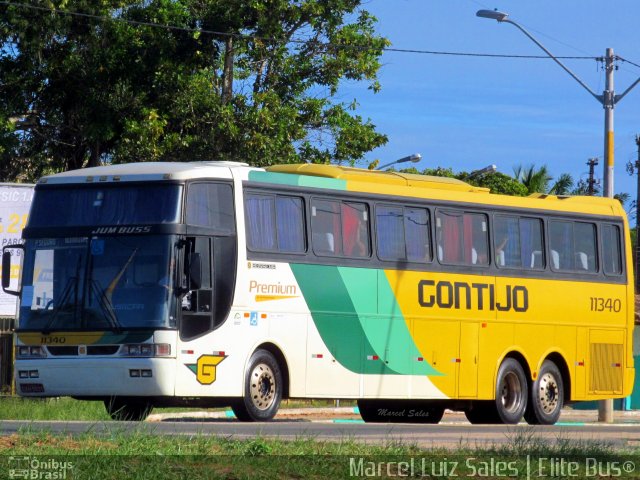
x=548, y=393
x=511, y=392
x=262, y=387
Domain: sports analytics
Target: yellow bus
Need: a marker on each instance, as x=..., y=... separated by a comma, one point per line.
x=410, y=294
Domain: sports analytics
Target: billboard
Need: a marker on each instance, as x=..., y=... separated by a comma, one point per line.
x=15, y=201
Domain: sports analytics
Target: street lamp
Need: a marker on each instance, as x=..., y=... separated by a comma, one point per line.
x=415, y=158
x=608, y=99
x=482, y=171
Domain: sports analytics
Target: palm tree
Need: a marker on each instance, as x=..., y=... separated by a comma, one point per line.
x=535, y=180
x=563, y=185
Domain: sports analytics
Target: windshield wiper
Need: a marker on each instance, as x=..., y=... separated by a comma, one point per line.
x=106, y=306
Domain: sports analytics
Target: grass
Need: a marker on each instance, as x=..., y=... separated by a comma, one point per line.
x=143, y=455
x=65, y=408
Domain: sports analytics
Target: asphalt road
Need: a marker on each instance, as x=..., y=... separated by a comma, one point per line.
x=452, y=432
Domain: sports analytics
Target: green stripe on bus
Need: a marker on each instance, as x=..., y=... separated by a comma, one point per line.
x=382, y=320
x=297, y=180
x=346, y=317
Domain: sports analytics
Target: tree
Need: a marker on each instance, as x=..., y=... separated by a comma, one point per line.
x=79, y=91
x=496, y=182
x=535, y=180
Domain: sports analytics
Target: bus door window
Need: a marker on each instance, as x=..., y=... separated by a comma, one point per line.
x=197, y=307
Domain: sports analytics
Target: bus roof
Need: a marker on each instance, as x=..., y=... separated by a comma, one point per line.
x=443, y=188
x=145, y=171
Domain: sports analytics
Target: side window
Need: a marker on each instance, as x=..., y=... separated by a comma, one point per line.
x=403, y=233
x=340, y=228
x=390, y=232
x=325, y=227
x=417, y=234
x=572, y=246
x=585, y=247
x=275, y=223
x=355, y=230
x=210, y=205
x=260, y=219
x=561, y=245
x=518, y=242
x=290, y=224
x=611, y=250
x=462, y=238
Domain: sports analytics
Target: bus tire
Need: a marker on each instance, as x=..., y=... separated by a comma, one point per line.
x=262, y=389
x=547, y=396
x=512, y=392
x=482, y=412
x=124, y=410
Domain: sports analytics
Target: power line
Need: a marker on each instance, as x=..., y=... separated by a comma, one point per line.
x=271, y=39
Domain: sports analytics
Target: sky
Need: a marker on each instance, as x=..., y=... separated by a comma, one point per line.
x=468, y=112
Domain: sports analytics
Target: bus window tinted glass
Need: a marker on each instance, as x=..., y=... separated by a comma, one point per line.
x=572, y=246
x=355, y=230
x=260, y=214
x=106, y=205
x=585, y=247
x=416, y=224
x=518, y=242
x=462, y=238
x=611, y=250
x=390, y=232
x=210, y=205
x=326, y=228
x=290, y=224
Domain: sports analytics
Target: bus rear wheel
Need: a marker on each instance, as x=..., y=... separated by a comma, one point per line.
x=512, y=392
x=122, y=409
x=547, y=396
x=262, y=389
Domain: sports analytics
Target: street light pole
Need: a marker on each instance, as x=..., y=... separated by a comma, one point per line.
x=608, y=99
x=415, y=158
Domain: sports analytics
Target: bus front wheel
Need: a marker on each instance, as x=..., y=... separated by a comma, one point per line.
x=123, y=410
x=512, y=392
x=262, y=389
x=547, y=396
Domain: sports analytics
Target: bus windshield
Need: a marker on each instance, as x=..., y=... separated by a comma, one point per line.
x=106, y=283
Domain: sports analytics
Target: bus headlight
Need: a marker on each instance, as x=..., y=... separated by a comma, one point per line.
x=146, y=350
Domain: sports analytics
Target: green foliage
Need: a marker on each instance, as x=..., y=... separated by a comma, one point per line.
x=77, y=91
x=496, y=182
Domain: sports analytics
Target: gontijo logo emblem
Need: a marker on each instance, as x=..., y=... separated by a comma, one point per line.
x=205, y=368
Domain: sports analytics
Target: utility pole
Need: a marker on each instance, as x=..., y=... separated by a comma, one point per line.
x=608, y=103
x=592, y=162
x=638, y=216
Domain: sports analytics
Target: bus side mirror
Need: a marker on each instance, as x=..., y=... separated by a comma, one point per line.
x=195, y=271
x=6, y=268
